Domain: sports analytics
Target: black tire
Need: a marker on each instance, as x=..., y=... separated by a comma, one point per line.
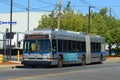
x=83, y=61
x=101, y=59
x=33, y=66
x=60, y=62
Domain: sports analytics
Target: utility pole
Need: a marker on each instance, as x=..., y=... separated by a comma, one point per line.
x=89, y=18
x=110, y=11
x=4, y=44
x=28, y=14
x=59, y=14
x=11, y=5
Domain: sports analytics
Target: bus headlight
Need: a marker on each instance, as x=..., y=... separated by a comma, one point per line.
x=50, y=59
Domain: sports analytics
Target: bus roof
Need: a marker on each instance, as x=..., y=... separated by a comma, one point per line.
x=65, y=33
x=52, y=31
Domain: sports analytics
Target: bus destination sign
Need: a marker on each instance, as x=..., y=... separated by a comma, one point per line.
x=36, y=36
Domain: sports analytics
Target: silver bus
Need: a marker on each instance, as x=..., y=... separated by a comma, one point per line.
x=47, y=47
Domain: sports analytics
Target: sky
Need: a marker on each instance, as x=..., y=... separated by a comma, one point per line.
x=49, y=5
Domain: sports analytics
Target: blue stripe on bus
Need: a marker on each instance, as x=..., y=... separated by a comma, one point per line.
x=71, y=56
x=36, y=52
x=103, y=52
x=64, y=52
x=98, y=52
x=71, y=52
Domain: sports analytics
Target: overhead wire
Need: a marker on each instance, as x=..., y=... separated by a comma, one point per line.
x=15, y=4
x=51, y=5
x=115, y=14
x=47, y=2
x=85, y=2
x=25, y=7
x=96, y=7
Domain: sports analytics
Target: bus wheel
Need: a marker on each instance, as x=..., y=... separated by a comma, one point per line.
x=60, y=62
x=83, y=61
x=101, y=59
x=33, y=66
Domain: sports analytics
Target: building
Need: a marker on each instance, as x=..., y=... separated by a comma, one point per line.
x=19, y=24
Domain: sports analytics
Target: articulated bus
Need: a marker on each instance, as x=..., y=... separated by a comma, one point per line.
x=47, y=47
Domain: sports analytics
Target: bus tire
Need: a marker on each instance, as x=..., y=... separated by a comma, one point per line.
x=60, y=62
x=101, y=59
x=83, y=61
x=33, y=66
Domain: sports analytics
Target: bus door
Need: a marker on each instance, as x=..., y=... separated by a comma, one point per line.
x=54, y=46
x=88, y=49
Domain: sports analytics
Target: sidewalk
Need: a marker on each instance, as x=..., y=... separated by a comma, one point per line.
x=13, y=64
x=112, y=59
x=10, y=64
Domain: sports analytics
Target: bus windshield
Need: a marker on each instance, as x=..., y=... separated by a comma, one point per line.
x=37, y=45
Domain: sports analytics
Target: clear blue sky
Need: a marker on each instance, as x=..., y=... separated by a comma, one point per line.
x=49, y=5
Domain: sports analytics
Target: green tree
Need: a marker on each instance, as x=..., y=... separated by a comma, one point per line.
x=48, y=21
x=101, y=23
x=69, y=20
x=106, y=26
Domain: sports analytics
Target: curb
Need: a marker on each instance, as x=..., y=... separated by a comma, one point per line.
x=10, y=64
x=15, y=64
x=112, y=59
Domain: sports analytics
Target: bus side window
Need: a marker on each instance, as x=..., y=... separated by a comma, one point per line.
x=76, y=49
x=54, y=48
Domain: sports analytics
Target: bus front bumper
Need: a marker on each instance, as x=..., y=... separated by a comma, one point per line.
x=36, y=63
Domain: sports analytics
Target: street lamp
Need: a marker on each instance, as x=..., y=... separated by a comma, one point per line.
x=89, y=18
x=11, y=9
x=28, y=14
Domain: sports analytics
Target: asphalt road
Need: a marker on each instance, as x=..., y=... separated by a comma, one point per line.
x=106, y=71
